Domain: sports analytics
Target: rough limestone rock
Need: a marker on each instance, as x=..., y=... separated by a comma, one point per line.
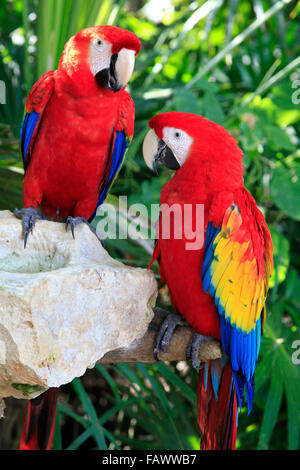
x=64, y=303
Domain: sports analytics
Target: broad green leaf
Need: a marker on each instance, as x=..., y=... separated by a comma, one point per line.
x=288, y=373
x=262, y=373
x=281, y=255
x=279, y=138
x=291, y=374
x=292, y=394
x=186, y=101
x=211, y=108
x=285, y=190
x=271, y=410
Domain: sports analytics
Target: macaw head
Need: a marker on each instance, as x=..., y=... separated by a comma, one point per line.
x=187, y=141
x=102, y=55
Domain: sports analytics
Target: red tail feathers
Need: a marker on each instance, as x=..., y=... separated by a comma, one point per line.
x=39, y=422
x=217, y=418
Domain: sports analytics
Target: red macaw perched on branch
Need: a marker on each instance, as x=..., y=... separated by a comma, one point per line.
x=78, y=122
x=77, y=125
x=220, y=288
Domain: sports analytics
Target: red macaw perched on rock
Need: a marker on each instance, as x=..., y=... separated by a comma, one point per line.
x=78, y=122
x=220, y=288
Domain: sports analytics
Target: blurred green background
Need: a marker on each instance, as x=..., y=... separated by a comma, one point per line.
x=237, y=63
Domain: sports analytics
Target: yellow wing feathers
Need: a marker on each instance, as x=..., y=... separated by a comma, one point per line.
x=239, y=283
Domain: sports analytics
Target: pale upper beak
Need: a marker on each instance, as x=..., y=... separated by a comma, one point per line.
x=150, y=146
x=124, y=66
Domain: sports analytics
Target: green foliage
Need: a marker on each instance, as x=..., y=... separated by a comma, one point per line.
x=146, y=403
x=285, y=190
x=236, y=63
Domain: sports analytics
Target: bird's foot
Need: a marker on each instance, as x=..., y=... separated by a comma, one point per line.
x=193, y=349
x=29, y=215
x=166, y=331
x=73, y=221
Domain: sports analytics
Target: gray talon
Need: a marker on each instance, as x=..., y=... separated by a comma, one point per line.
x=73, y=221
x=193, y=348
x=29, y=215
x=166, y=331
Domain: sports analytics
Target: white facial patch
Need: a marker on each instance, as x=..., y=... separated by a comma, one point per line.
x=178, y=141
x=100, y=55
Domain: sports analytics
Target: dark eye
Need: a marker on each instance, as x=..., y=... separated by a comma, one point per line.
x=99, y=42
x=177, y=135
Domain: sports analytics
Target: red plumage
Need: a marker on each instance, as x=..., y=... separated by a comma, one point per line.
x=39, y=422
x=71, y=151
x=212, y=175
x=71, y=144
x=74, y=117
x=217, y=419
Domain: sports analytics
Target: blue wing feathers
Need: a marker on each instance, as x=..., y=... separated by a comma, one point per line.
x=206, y=365
x=242, y=348
x=28, y=127
x=239, y=387
x=250, y=393
x=118, y=154
x=23, y=134
x=216, y=374
x=208, y=249
x=258, y=336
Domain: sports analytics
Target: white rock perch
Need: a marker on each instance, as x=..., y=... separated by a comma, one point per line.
x=64, y=303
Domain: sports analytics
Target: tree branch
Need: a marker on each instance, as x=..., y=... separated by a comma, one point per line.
x=142, y=350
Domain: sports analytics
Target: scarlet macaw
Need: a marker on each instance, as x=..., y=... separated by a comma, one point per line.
x=78, y=123
x=220, y=288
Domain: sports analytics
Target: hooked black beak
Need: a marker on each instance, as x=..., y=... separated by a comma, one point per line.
x=165, y=157
x=107, y=78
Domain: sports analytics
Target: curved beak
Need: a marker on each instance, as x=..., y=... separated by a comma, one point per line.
x=155, y=150
x=117, y=75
